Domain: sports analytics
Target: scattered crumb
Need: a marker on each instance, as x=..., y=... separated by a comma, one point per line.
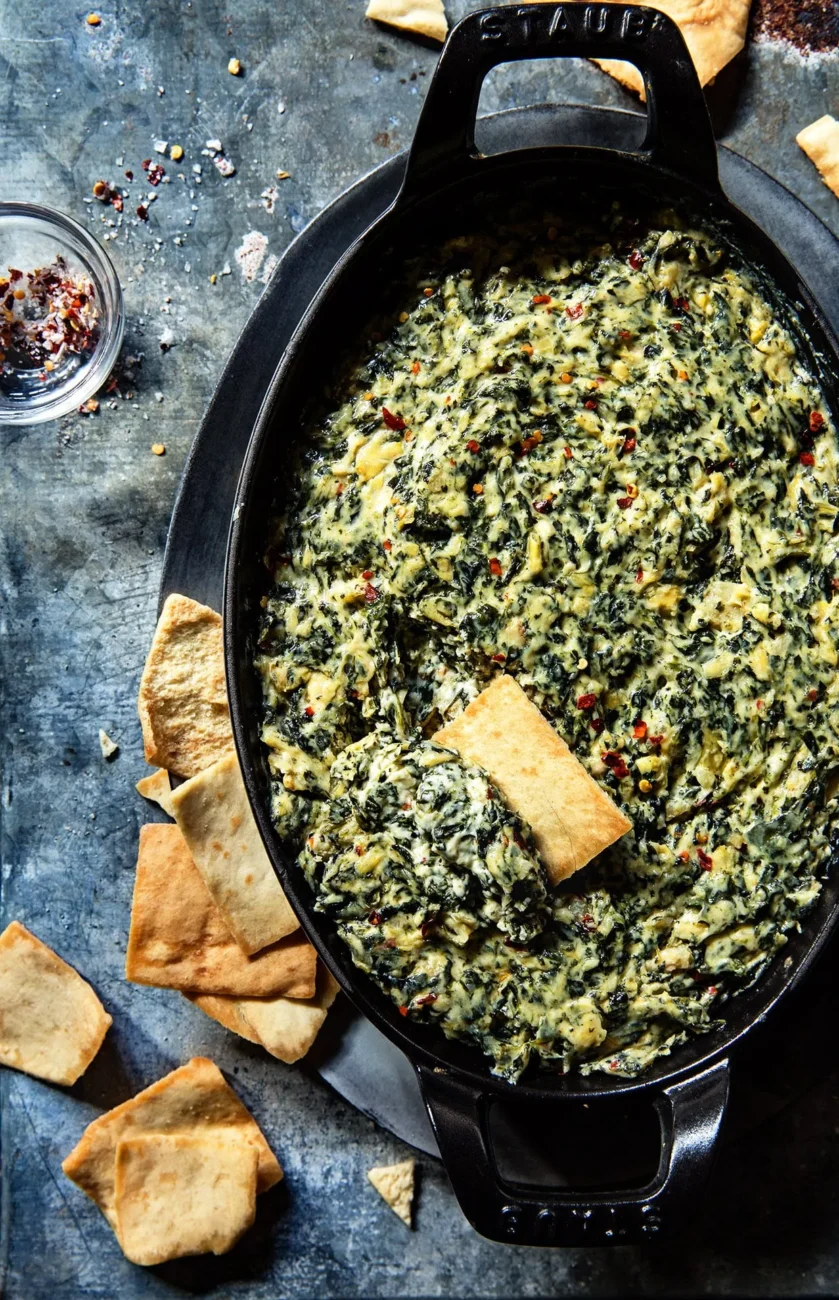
x=283, y=176
x=176, y=153
x=166, y=340
x=223, y=165
x=160, y=146
x=109, y=748
x=214, y=146
x=158, y=448
x=251, y=254
x=90, y=407
x=93, y=20
x=158, y=397
x=269, y=198
x=234, y=67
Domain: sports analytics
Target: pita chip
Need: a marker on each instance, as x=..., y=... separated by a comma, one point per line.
x=213, y=812
x=158, y=789
x=285, y=1027
x=183, y=697
x=194, y=1100
x=714, y=32
x=571, y=817
x=424, y=17
x=179, y=1194
x=820, y=142
x=178, y=938
x=51, y=1022
x=395, y=1184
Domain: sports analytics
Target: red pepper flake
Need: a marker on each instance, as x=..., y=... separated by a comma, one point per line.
x=499, y=659
x=403, y=1011
x=567, y=453
x=706, y=862
x=539, y=299
x=15, y=275
x=676, y=326
x=636, y=260
x=495, y=567
x=154, y=172
x=597, y=725
x=629, y=446
x=387, y=545
x=359, y=848
x=807, y=458
x=375, y=918
x=816, y=421
x=813, y=694
x=616, y=763
x=416, y=368
x=588, y=922
x=309, y=711
x=684, y=856
x=542, y=507
x=590, y=404
x=639, y=575
x=473, y=446
x=370, y=593
x=758, y=704
x=656, y=740
x=712, y=989
x=142, y=212
x=625, y=335
x=527, y=444
x=613, y=1065
x=587, y=701
x=624, y=502
x=339, y=489
x=681, y=304
x=575, y=312
x=639, y=730
x=129, y=175
x=368, y=573
x=394, y=422
x=426, y=1000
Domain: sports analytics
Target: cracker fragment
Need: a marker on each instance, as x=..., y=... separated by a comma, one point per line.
x=51, y=1022
x=571, y=817
x=178, y=937
x=213, y=811
x=158, y=789
x=714, y=32
x=179, y=1194
x=285, y=1027
x=395, y=1184
x=194, y=1099
x=109, y=747
x=820, y=142
x=183, y=698
x=425, y=17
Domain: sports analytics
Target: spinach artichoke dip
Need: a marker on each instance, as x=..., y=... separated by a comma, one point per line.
x=589, y=454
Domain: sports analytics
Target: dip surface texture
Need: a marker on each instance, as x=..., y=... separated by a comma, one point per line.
x=597, y=462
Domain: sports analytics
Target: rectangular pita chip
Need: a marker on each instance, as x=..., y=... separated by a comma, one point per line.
x=158, y=789
x=820, y=142
x=51, y=1022
x=183, y=697
x=714, y=32
x=179, y=939
x=193, y=1100
x=284, y=1027
x=425, y=17
x=213, y=812
x=572, y=819
x=180, y=1194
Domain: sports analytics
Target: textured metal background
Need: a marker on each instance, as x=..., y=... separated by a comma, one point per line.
x=84, y=508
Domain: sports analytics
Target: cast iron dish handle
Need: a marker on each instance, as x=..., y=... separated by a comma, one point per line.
x=689, y=1113
x=679, y=135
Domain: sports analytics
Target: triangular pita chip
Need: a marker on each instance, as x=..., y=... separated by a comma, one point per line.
x=425, y=17
x=179, y=1194
x=183, y=697
x=820, y=142
x=571, y=817
x=179, y=940
x=395, y=1184
x=213, y=811
x=285, y=1027
x=714, y=32
x=158, y=789
x=51, y=1022
x=195, y=1100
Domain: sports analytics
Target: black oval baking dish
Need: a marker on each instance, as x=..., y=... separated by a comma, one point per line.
x=446, y=178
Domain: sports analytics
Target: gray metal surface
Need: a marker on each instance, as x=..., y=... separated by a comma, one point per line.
x=84, y=513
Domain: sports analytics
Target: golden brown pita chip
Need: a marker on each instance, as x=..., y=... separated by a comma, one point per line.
x=183, y=697
x=178, y=1194
x=714, y=32
x=820, y=142
x=572, y=819
x=285, y=1027
x=425, y=17
x=51, y=1022
x=158, y=789
x=195, y=1100
x=395, y=1184
x=213, y=812
x=179, y=940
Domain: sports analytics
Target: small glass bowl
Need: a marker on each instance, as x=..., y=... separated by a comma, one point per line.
x=32, y=238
